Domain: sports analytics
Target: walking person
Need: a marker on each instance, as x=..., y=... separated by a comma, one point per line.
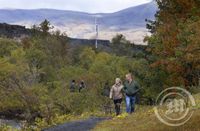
x=116, y=94
x=106, y=90
x=130, y=89
x=107, y=103
x=81, y=86
x=73, y=86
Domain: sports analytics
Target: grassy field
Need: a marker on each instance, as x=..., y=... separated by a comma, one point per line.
x=144, y=119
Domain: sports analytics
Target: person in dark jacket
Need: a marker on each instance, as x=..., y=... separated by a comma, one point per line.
x=106, y=90
x=130, y=89
x=73, y=86
x=81, y=86
x=105, y=93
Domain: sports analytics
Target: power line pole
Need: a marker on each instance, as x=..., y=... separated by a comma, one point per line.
x=97, y=32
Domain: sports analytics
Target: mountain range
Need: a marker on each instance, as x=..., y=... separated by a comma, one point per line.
x=130, y=22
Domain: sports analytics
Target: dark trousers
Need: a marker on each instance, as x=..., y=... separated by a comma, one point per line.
x=117, y=103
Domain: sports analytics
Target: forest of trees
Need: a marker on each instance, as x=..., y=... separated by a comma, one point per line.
x=175, y=45
x=36, y=72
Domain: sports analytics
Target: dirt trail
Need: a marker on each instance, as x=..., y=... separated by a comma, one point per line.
x=82, y=125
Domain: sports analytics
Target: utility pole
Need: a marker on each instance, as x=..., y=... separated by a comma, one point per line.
x=97, y=32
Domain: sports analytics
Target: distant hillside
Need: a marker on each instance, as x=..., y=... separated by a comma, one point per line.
x=133, y=17
x=130, y=22
x=129, y=18
x=12, y=31
x=19, y=32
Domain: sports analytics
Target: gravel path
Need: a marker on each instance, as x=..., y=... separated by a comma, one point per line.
x=82, y=125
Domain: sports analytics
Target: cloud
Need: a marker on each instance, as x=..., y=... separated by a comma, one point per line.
x=92, y=6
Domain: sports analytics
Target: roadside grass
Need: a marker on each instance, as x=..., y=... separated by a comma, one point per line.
x=144, y=119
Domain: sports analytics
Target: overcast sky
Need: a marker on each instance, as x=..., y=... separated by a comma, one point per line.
x=92, y=6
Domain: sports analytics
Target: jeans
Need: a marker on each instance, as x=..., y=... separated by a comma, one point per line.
x=130, y=104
